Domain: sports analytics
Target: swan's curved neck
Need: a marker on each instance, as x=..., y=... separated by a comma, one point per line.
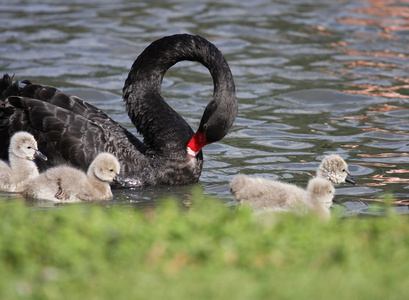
x=150, y=67
x=148, y=110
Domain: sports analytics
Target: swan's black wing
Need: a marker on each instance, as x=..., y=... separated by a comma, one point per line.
x=61, y=99
x=64, y=100
x=49, y=94
x=55, y=98
x=64, y=136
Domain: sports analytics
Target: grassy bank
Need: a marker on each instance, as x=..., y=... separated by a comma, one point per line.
x=205, y=252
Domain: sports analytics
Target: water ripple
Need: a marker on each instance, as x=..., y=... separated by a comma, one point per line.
x=312, y=77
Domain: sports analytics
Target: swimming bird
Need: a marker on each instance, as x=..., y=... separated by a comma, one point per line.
x=320, y=193
x=277, y=196
x=69, y=184
x=72, y=131
x=334, y=168
x=260, y=192
x=21, y=167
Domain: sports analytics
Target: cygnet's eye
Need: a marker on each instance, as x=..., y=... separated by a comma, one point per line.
x=343, y=170
x=111, y=170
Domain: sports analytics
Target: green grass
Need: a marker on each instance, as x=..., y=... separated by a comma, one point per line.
x=205, y=252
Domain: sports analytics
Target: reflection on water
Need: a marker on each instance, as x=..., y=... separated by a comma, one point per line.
x=313, y=77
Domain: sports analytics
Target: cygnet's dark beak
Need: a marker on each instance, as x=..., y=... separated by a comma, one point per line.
x=38, y=154
x=350, y=179
x=119, y=181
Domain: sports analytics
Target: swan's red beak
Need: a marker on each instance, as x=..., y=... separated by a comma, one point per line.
x=196, y=143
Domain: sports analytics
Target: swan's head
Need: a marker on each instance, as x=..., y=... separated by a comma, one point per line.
x=335, y=169
x=216, y=122
x=105, y=167
x=320, y=192
x=24, y=145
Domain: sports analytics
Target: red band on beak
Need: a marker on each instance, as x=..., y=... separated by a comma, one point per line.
x=196, y=143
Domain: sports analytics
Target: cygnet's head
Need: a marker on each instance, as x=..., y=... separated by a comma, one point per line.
x=335, y=169
x=321, y=192
x=105, y=167
x=24, y=145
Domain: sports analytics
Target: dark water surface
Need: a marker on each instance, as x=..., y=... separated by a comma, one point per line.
x=312, y=78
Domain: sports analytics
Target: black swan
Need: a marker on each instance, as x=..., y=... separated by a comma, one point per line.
x=70, y=130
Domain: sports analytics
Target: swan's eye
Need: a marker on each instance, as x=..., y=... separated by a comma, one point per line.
x=111, y=170
x=29, y=147
x=344, y=170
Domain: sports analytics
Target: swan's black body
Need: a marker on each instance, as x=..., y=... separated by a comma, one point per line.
x=70, y=130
